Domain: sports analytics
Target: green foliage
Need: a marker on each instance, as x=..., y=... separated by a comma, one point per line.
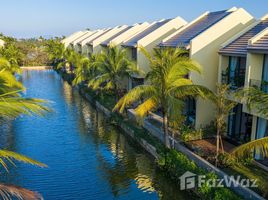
x=167, y=86
x=176, y=164
x=55, y=50
x=255, y=99
x=188, y=134
x=11, y=102
x=226, y=160
x=210, y=129
x=112, y=67
x=24, y=52
x=247, y=150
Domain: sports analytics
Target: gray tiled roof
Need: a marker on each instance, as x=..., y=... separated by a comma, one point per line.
x=240, y=45
x=261, y=44
x=106, y=42
x=132, y=42
x=184, y=37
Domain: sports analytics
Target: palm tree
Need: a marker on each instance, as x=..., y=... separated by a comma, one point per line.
x=167, y=87
x=85, y=69
x=11, y=102
x=255, y=99
x=223, y=109
x=6, y=65
x=12, y=105
x=247, y=149
x=112, y=67
x=8, y=191
x=55, y=50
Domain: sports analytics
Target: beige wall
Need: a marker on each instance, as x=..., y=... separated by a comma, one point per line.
x=204, y=49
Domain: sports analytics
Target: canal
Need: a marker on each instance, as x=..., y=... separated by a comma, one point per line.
x=87, y=157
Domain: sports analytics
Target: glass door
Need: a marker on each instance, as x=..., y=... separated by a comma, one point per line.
x=265, y=74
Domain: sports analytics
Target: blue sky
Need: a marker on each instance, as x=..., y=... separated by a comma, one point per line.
x=29, y=18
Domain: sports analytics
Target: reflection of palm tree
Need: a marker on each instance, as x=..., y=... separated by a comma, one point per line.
x=121, y=173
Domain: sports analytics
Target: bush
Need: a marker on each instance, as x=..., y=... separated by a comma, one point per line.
x=191, y=134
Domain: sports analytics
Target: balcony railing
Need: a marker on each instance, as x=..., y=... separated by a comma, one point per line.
x=260, y=84
x=235, y=83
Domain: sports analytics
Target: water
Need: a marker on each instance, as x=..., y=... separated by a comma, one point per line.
x=87, y=157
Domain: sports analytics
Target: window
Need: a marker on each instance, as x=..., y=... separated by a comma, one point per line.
x=236, y=71
x=262, y=128
x=239, y=125
x=265, y=74
x=134, y=53
x=262, y=131
x=190, y=111
x=137, y=82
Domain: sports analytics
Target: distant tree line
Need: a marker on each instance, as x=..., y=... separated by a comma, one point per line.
x=25, y=52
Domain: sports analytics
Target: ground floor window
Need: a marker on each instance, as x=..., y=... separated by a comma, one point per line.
x=239, y=125
x=261, y=131
x=262, y=128
x=190, y=111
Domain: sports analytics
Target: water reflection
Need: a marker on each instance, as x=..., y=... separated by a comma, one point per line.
x=87, y=156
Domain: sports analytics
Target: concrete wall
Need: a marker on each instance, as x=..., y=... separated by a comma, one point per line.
x=204, y=49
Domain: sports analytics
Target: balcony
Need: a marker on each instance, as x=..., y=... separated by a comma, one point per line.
x=234, y=82
x=260, y=84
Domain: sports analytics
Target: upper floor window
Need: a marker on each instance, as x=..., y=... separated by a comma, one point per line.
x=236, y=71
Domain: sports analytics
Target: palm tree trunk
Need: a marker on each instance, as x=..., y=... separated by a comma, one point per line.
x=217, y=146
x=165, y=129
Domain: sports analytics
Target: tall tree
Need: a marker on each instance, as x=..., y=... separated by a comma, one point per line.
x=167, y=86
x=223, y=109
x=113, y=66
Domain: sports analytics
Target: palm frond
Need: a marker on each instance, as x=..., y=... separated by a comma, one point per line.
x=245, y=150
x=9, y=156
x=8, y=192
x=142, y=91
x=148, y=105
x=11, y=107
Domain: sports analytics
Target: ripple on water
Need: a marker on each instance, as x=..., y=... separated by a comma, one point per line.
x=87, y=157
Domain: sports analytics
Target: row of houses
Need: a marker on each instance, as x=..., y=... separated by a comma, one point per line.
x=230, y=45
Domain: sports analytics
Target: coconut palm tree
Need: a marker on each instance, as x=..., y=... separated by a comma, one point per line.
x=6, y=65
x=112, y=67
x=55, y=50
x=223, y=109
x=85, y=69
x=247, y=149
x=255, y=99
x=167, y=86
x=12, y=105
x=8, y=191
x=11, y=102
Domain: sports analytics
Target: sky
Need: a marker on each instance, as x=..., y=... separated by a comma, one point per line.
x=32, y=18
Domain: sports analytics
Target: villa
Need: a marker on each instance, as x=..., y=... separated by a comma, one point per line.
x=94, y=45
x=119, y=38
x=82, y=45
x=244, y=62
x=67, y=41
x=203, y=38
x=148, y=39
x=75, y=43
